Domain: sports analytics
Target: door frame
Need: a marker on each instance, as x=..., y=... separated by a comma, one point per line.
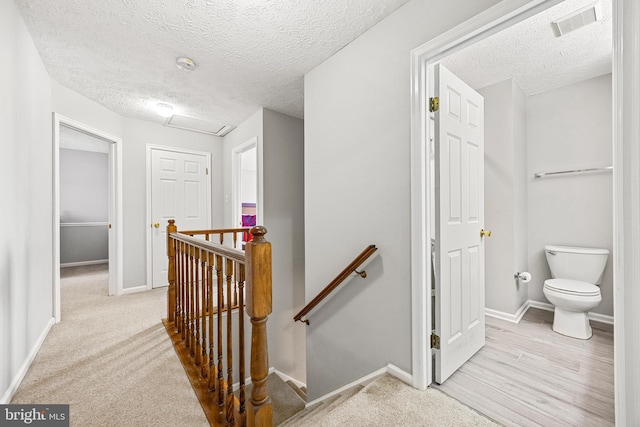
x=236, y=161
x=149, y=215
x=115, y=206
x=626, y=191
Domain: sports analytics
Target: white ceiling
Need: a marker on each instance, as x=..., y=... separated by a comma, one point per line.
x=249, y=53
x=73, y=139
x=254, y=53
x=538, y=61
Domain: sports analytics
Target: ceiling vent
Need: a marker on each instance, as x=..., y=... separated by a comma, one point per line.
x=577, y=19
x=197, y=125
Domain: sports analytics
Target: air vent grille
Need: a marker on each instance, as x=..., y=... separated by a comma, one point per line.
x=577, y=19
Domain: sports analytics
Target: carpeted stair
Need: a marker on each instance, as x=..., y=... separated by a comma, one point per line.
x=387, y=401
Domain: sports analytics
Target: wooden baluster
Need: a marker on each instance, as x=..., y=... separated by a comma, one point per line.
x=221, y=238
x=185, y=283
x=189, y=279
x=178, y=322
x=193, y=289
x=235, y=240
x=242, y=411
x=203, y=308
x=208, y=368
x=229, y=413
x=190, y=341
x=197, y=348
x=258, y=256
x=171, y=291
x=219, y=331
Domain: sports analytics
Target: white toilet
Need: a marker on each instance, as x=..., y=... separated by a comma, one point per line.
x=573, y=291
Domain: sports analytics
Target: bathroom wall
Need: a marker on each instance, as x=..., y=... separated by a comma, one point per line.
x=505, y=196
x=570, y=128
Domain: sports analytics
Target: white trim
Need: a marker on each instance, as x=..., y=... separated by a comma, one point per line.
x=236, y=174
x=284, y=377
x=513, y=318
x=135, y=290
x=389, y=369
x=149, y=215
x=83, y=224
x=17, y=380
x=626, y=236
x=115, y=207
x=81, y=263
x=492, y=20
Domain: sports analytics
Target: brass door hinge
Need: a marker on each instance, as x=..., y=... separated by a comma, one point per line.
x=435, y=341
x=434, y=103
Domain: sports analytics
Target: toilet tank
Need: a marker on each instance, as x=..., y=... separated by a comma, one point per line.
x=571, y=262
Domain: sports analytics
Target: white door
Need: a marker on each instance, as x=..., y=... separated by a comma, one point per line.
x=459, y=162
x=180, y=191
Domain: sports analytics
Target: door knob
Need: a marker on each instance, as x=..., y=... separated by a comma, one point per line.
x=156, y=225
x=484, y=233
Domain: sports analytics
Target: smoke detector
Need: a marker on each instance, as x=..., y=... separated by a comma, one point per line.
x=185, y=64
x=577, y=19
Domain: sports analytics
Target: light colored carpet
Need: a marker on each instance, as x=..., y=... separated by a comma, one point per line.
x=389, y=402
x=110, y=359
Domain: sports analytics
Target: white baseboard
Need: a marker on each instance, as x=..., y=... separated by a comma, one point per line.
x=17, y=380
x=81, y=263
x=286, y=378
x=389, y=369
x=515, y=318
x=126, y=291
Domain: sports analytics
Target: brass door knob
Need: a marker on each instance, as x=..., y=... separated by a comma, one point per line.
x=484, y=233
x=156, y=225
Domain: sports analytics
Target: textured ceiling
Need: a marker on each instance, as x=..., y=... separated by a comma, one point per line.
x=249, y=53
x=538, y=61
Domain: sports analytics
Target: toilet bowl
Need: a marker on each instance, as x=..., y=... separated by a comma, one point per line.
x=573, y=289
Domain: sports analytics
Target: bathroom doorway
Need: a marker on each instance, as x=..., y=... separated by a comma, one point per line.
x=522, y=175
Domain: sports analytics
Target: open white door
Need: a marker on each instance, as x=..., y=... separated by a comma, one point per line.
x=459, y=209
x=179, y=190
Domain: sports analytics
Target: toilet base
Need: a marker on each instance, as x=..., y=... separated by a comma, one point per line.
x=572, y=324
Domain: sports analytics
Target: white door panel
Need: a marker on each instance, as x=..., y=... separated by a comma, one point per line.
x=459, y=162
x=179, y=190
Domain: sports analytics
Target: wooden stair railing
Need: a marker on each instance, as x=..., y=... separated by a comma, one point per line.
x=206, y=280
x=344, y=274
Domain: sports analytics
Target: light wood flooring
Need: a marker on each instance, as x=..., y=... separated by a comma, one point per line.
x=528, y=375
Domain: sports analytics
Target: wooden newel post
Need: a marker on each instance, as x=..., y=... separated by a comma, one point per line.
x=171, y=253
x=258, y=301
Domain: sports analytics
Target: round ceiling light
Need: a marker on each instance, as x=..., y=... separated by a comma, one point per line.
x=185, y=64
x=164, y=110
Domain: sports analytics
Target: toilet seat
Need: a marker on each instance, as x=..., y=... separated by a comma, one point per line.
x=572, y=287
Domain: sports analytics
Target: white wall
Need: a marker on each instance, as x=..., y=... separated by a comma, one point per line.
x=283, y=166
x=84, y=186
x=357, y=192
x=136, y=135
x=280, y=158
x=84, y=198
x=26, y=239
x=570, y=128
x=505, y=196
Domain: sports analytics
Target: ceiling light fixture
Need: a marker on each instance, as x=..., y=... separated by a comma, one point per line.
x=164, y=110
x=185, y=64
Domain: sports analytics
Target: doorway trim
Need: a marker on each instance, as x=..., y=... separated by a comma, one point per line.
x=236, y=161
x=149, y=214
x=115, y=206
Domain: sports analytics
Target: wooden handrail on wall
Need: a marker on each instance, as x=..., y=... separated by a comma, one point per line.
x=207, y=279
x=351, y=268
